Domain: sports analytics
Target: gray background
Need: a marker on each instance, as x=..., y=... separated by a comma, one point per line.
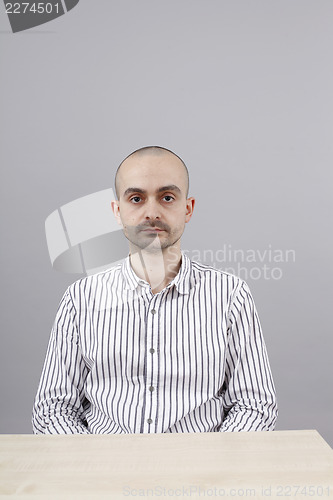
x=242, y=90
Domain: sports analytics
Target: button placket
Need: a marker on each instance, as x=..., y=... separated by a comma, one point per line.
x=152, y=365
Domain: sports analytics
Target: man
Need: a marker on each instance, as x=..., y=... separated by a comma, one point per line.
x=158, y=343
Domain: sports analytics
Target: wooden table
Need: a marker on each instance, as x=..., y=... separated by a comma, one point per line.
x=280, y=464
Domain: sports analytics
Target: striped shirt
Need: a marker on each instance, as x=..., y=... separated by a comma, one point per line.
x=190, y=358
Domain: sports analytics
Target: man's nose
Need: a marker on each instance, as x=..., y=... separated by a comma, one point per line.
x=152, y=210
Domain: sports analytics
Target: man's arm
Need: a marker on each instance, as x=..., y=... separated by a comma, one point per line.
x=249, y=393
x=58, y=405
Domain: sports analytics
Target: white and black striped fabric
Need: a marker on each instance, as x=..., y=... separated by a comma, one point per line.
x=190, y=358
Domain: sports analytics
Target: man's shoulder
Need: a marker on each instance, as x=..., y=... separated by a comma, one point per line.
x=220, y=282
x=209, y=272
x=109, y=275
x=207, y=269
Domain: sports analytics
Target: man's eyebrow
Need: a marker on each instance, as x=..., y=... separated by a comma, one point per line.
x=170, y=187
x=134, y=190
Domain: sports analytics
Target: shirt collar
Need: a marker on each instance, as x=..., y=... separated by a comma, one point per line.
x=183, y=281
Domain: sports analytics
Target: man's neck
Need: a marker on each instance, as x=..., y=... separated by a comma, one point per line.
x=158, y=268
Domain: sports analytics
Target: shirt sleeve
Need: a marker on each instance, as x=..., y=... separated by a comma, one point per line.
x=249, y=393
x=60, y=399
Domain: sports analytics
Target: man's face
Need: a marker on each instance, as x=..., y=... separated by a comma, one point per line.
x=152, y=206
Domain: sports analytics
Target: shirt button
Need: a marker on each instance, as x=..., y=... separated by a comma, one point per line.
x=152, y=350
x=151, y=388
x=153, y=311
x=149, y=421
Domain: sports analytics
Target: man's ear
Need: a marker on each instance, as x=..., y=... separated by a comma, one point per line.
x=116, y=211
x=189, y=208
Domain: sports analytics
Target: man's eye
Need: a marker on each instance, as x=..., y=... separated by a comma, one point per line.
x=170, y=198
x=135, y=199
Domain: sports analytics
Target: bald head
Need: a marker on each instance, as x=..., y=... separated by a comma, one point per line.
x=151, y=151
